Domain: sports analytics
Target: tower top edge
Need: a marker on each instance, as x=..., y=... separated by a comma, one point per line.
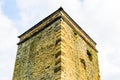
x=60, y=13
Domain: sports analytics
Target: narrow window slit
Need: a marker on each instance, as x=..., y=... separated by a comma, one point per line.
x=89, y=55
x=83, y=63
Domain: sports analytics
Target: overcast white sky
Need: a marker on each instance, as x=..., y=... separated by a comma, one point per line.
x=99, y=18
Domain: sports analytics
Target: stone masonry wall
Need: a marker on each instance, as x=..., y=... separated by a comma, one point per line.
x=79, y=59
x=57, y=52
x=39, y=57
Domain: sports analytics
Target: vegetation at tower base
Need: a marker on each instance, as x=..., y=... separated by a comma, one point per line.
x=56, y=49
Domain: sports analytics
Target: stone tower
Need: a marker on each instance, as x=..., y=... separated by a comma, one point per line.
x=56, y=49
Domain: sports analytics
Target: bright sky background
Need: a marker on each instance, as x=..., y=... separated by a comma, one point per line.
x=99, y=18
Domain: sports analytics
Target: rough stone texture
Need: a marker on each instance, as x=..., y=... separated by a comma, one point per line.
x=79, y=60
x=56, y=49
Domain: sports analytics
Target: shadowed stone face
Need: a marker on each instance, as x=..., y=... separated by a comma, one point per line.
x=56, y=49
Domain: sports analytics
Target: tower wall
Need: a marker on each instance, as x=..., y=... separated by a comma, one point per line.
x=36, y=57
x=79, y=59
